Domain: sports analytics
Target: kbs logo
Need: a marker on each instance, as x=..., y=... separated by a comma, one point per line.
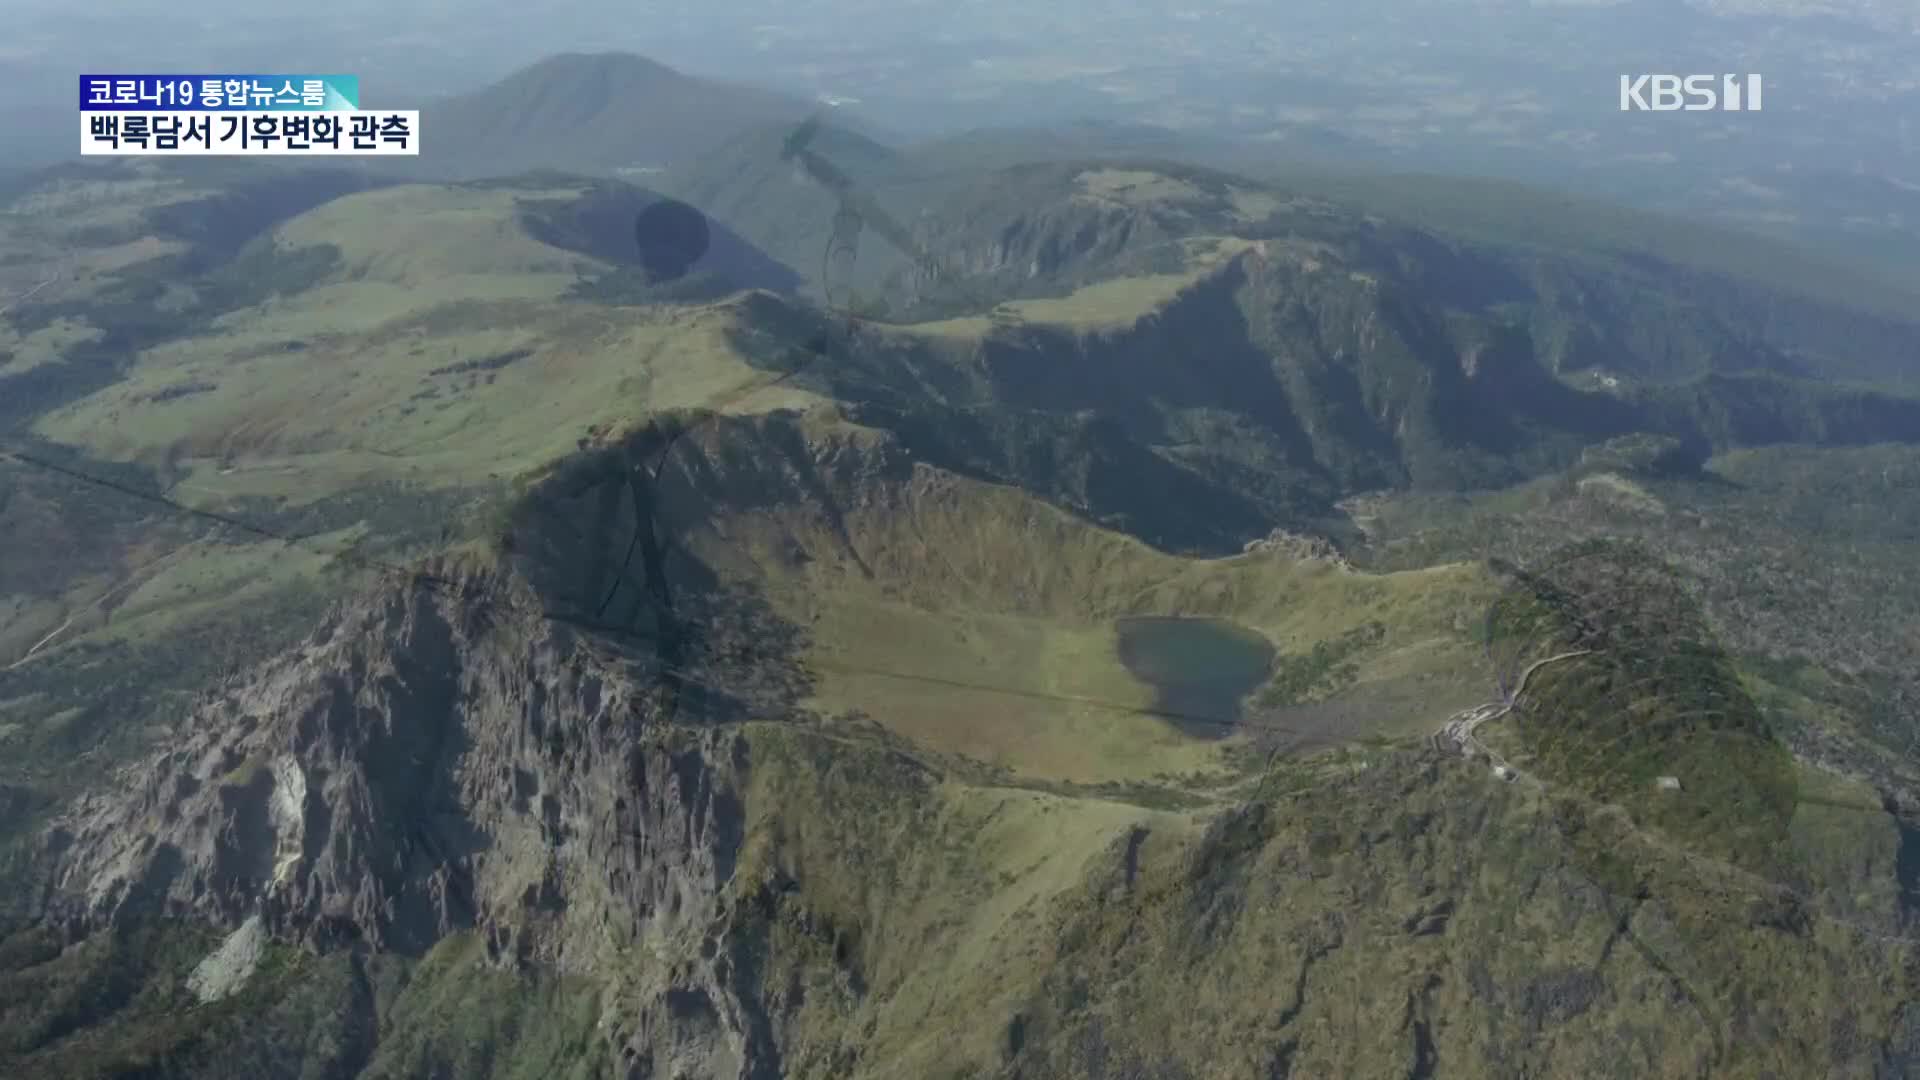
x=1691, y=93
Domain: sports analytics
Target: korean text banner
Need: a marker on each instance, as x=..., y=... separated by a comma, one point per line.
x=360, y=132
x=219, y=93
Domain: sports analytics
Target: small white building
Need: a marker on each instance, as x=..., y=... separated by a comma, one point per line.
x=1668, y=783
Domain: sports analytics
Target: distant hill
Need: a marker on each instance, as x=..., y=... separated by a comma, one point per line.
x=591, y=113
x=1603, y=289
x=1195, y=357
x=1778, y=273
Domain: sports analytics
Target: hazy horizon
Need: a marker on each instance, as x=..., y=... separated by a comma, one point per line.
x=1511, y=89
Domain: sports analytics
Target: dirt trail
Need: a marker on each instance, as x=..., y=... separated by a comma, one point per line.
x=1459, y=728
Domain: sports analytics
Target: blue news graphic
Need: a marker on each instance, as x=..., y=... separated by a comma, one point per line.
x=219, y=93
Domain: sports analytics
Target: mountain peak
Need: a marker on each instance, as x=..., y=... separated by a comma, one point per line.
x=578, y=65
x=594, y=112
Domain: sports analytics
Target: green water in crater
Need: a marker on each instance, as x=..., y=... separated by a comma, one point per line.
x=1201, y=668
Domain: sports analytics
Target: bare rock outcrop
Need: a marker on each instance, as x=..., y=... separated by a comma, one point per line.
x=439, y=758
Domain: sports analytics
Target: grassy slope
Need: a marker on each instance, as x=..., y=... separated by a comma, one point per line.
x=1113, y=304
x=963, y=582
x=1798, y=557
x=1374, y=914
x=64, y=241
x=427, y=279
x=297, y=409
x=117, y=1006
x=333, y=389
x=1366, y=921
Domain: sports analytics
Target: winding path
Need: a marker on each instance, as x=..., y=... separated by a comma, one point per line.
x=28, y=295
x=1460, y=727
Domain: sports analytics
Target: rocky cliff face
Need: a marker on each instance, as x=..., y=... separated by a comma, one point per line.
x=438, y=758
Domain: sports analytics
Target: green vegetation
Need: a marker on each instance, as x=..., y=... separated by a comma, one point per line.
x=1513, y=214
x=996, y=859
x=1798, y=557
x=1236, y=943
x=629, y=287
x=1641, y=452
x=131, y=314
x=220, y=227
x=116, y=1005
x=459, y=1014
x=1619, y=685
x=1322, y=671
x=1731, y=412
x=977, y=620
x=1597, y=286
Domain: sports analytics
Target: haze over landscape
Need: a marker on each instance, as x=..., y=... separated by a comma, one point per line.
x=968, y=540
x=1514, y=88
